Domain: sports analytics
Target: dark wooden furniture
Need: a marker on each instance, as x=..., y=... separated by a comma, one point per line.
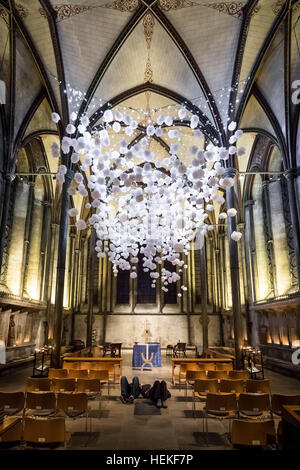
x=194, y=360
x=290, y=427
x=11, y=429
x=112, y=364
x=113, y=348
x=179, y=348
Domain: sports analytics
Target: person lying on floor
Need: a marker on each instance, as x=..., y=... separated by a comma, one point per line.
x=158, y=393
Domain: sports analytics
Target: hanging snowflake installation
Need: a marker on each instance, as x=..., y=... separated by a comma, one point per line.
x=143, y=205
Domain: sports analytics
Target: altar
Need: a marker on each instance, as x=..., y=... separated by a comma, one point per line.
x=146, y=356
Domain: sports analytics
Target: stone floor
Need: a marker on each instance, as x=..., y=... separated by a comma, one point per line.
x=118, y=426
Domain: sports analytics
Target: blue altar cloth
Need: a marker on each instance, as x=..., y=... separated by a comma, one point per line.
x=139, y=349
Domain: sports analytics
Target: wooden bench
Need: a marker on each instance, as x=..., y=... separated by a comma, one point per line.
x=108, y=363
x=191, y=360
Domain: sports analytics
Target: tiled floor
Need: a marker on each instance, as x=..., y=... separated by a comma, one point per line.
x=116, y=426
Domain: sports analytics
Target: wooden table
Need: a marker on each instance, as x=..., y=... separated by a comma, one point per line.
x=108, y=362
x=290, y=427
x=11, y=429
x=192, y=360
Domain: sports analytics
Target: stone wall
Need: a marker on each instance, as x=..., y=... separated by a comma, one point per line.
x=166, y=329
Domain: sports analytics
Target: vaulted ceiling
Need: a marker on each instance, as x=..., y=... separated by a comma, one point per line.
x=230, y=59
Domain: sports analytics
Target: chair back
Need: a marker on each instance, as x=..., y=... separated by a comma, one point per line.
x=217, y=374
x=68, y=402
x=254, y=403
x=195, y=375
x=63, y=385
x=12, y=401
x=258, y=386
x=71, y=365
x=44, y=431
x=78, y=374
x=101, y=375
x=206, y=386
x=238, y=374
x=40, y=401
x=38, y=384
x=57, y=373
x=249, y=433
x=278, y=401
x=224, y=366
x=217, y=402
x=231, y=386
x=206, y=366
x=88, y=385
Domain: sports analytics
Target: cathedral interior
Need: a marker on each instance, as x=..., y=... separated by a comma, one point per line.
x=223, y=62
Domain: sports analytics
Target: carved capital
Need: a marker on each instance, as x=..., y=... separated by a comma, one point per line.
x=291, y=173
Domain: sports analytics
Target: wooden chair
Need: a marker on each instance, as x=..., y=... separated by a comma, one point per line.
x=73, y=405
x=45, y=431
x=217, y=374
x=178, y=349
x=11, y=431
x=115, y=349
x=201, y=388
x=102, y=376
x=253, y=433
x=40, y=404
x=12, y=402
x=57, y=373
x=72, y=365
x=258, y=386
x=89, y=386
x=224, y=366
x=232, y=386
x=238, y=374
x=78, y=374
x=278, y=401
x=169, y=350
x=207, y=366
x=63, y=385
x=254, y=406
x=38, y=384
x=192, y=376
x=220, y=407
x=184, y=368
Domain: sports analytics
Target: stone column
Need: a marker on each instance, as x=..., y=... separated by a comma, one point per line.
x=203, y=272
x=6, y=193
x=61, y=264
x=235, y=275
x=49, y=275
x=291, y=176
x=269, y=236
x=91, y=264
x=27, y=236
x=44, y=247
x=250, y=251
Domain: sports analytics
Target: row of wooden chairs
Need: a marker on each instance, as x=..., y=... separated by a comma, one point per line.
x=237, y=386
x=226, y=366
x=39, y=432
x=87, y=385
x=102, y=374
x=192, y=375
x=246, y=405
x=43, y=403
